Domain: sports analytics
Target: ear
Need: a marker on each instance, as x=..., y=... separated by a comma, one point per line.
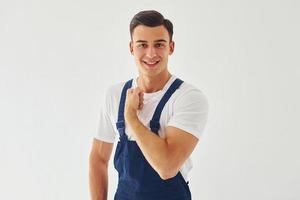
x=172, y=47
x=131, y=47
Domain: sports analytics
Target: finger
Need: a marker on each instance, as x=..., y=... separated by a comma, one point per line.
x=140, y=106
x=130, y=90
x=141, y=95
x=141, y=99
x=138, y=90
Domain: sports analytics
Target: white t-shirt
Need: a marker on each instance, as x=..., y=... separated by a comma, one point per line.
x=187, y=109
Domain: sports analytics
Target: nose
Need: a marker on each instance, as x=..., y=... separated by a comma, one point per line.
x=151, y=52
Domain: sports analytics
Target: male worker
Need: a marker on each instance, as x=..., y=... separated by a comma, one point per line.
x=158, y=118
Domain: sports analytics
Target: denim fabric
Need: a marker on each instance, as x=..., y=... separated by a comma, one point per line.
x=137, y=179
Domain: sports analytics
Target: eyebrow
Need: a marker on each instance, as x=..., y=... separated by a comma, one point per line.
x=144, y=41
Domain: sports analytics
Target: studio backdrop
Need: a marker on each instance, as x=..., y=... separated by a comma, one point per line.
x=57, y=58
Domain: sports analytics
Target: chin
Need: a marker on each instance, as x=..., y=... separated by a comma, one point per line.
x=149, y=73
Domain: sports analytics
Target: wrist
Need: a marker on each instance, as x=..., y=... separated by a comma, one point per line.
x=130, y=116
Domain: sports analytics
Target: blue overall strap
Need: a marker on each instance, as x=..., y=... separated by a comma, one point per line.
x=154, y=123
x=121, y=121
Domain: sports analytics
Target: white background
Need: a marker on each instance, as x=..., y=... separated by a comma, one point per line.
x=57, y=58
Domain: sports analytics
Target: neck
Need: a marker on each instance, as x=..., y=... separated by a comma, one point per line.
x=153, y=84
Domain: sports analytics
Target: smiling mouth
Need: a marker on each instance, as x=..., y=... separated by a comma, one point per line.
x=151, y=64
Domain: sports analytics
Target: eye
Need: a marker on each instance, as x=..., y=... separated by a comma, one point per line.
x=142, y=45
x=159, y=45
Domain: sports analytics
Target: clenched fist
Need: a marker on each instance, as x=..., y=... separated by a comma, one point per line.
x=134, y=101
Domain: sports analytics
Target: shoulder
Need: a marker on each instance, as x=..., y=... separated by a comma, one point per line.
x=113, y=94
x=188, y=94
x=114, y=89
x=189, y=109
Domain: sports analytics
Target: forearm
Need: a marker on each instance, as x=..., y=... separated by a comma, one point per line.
x=154, y=148
x=98, y=180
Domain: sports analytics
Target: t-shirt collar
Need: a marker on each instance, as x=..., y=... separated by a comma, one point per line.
x=164, y=89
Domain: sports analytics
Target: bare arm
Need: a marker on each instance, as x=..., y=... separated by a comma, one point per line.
x=166, y=155
x=98, y=165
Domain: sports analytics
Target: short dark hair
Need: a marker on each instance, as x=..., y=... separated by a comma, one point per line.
x=151, y=18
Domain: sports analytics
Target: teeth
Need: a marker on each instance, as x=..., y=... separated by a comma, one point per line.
x=151, y=63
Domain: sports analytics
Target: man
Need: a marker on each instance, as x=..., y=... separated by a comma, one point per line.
x=158, y=119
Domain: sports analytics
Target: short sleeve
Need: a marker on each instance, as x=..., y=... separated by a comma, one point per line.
x=105, y=131
x=190, y=112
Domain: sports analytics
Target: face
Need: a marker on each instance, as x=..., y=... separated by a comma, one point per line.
x=151, y=47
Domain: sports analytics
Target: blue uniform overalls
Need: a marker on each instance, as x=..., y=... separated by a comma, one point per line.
x=137, y=179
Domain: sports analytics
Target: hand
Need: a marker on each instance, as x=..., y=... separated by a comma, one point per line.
x=134, y=102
